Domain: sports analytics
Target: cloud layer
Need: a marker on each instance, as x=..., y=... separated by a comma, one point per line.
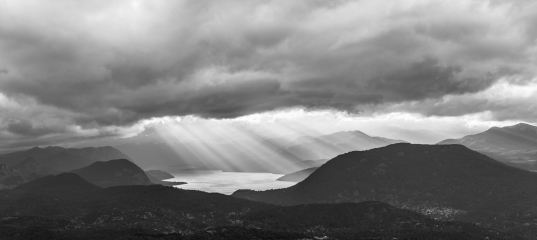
x=71, y=68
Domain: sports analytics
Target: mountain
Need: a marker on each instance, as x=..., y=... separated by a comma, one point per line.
x=113, y=173
x=63, y=159
x=31, y=165
x=158, y=174
x=156, y=177
x=68, y=207
x=13, y=158
x=298, y=176
x=513, y=145
x=331, y=145
x=444, y=181
x=11, y=177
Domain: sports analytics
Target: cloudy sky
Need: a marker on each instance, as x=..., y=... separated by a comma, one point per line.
x=417, y=70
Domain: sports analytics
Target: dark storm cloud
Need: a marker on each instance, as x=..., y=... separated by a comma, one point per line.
x=25, y=128
x=96, y=65
x=426, y=79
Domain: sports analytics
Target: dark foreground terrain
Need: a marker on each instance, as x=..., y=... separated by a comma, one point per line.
x=66, y=206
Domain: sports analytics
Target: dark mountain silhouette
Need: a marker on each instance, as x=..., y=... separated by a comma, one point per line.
x=298, y=176
x=11, y=177
x=156, y=177
x=31, y=165
x=113, y=173
x=63, y=159
x=444, y=181
x=513, y=145
x=158, y=174
x=331, y=145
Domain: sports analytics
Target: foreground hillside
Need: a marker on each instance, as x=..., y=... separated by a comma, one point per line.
x=167, y=209
x=444, y=181
x=68, y=207
x=513, y=145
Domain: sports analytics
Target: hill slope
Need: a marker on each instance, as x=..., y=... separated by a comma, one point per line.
x=298, y=176
x=445, y=181
x=113, y=173
x=158, y=174
x=513, y=145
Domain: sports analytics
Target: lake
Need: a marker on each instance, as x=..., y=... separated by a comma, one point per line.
x=227, y=182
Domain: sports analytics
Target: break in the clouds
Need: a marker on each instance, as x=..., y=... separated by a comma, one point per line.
x=89, y=68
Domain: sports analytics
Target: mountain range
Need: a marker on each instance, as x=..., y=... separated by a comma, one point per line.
x=373, y=188
x=443, y=181
x=331, y=145
x=254, y=154
x=513, y=145
x=58, y=159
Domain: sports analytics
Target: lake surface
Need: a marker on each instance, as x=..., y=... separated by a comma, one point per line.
x=227, y=182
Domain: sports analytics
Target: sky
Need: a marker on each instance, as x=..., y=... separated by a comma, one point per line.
x=418, y=70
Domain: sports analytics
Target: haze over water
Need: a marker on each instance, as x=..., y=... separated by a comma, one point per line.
x=227, y=182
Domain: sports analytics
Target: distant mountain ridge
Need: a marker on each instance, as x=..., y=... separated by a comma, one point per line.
x=331, y=145
x=60, y=159
x=254, y=153
x=31, y=165
x=513, y=145
x=113, y=173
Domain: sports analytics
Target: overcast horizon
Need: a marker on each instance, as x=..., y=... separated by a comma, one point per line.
x=95, y=73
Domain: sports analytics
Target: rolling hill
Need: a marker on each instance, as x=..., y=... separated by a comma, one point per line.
x=443, y=181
